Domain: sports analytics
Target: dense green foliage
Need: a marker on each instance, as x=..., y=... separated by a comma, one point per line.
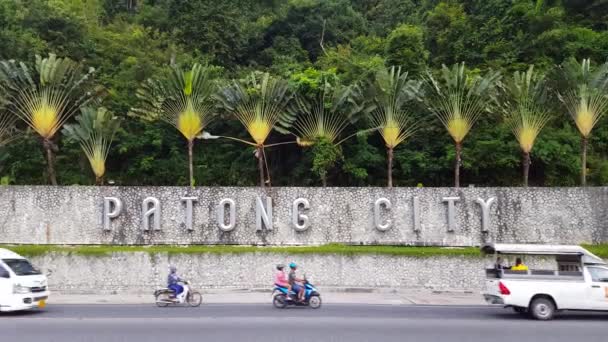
x=308, y=42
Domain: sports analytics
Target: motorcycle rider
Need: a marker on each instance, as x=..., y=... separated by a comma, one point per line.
x=173, y=282
x=295, y=282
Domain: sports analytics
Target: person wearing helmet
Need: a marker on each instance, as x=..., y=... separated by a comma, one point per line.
x=173, y=281
x=295, y=282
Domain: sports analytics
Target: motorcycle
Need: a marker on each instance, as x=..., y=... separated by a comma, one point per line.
x=281, y=298
x=166, y=296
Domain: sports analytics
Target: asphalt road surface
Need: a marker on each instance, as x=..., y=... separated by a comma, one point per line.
x=250, y=323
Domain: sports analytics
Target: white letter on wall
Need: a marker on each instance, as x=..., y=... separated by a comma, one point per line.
x=485, y=212
x=416, y=209
x=451, y=212
x=221, y=220
x=189, y=201
x=263, y=215
x=108, y=202
x=147, y=212
x=377, y=220
x=296, y=217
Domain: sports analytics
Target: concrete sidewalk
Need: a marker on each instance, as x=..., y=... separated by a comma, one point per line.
x=329, y=296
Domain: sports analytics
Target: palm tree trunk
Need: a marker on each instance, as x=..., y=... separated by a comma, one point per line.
x=526, y=167
x=584, y=161
x=50, y=160
x=457, y=165
x=191, y=167
x=324, y=180
x=261, y=164
x=390, y=166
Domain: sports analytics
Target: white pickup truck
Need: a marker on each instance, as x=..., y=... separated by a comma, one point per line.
x=559, y=278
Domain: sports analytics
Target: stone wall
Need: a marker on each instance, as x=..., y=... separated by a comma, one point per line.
x=141, y=273
x=417, y=216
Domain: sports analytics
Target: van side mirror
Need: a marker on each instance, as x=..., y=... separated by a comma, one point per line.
x=4, y=273
x=49, y=272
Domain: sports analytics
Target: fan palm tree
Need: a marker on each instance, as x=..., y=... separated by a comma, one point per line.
x=525, y=111
x=260, y=104
x=321, y=120
x=585, y=95
x=182, y=99
x=94, y=131
x=392, y=92
x=46, y=96
x=458, y=100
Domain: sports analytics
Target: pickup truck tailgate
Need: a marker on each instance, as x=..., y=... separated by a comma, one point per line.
x=491, y=292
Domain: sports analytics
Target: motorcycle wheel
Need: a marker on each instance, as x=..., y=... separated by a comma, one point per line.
x=279, y=301
x=315, y=302
x=194, y=299
x=161, y=299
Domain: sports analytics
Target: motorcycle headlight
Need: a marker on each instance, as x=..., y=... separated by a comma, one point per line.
x=18, y=289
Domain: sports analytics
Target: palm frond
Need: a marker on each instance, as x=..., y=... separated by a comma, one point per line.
x=259, y=103
x=458, y=99
x=586, y=93
x=525, y=111
x=183, y=99
x=326, y=115
x=94, y=131
x=46, y=96
x=392, y=92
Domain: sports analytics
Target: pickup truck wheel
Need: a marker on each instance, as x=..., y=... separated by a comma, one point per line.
x=542, y=309
x=520, y=310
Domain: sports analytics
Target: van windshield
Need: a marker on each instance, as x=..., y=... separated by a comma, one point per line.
x=21, y=267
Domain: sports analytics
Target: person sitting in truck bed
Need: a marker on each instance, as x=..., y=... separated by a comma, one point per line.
x=499, y=264
x=519, y=266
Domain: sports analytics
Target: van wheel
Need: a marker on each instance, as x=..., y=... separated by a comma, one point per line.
x=542, y=309
x=520, y=310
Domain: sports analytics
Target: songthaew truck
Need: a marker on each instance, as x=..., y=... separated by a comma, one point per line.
x=550, y=279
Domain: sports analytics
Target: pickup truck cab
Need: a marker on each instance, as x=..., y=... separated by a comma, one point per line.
x=558, y=278
x=22, y=287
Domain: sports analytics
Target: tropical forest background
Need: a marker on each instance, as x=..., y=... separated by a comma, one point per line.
x=304, y=42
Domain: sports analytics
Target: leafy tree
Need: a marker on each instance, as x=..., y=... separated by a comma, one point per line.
x=46, y=96
x=585, y=95
x=458, y=99
x=525, y=111
x=405, y=47
x=95, y=129
x=183, y=99
x=322, y=119
x=392, y=91
x=259, y=103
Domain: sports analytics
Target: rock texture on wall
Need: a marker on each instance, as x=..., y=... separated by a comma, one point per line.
x=141, y=273
x=412, y=216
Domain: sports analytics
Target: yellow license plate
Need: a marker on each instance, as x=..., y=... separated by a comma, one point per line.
x=42, y=304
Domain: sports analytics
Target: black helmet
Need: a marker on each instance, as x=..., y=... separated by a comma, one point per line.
x=280, y=267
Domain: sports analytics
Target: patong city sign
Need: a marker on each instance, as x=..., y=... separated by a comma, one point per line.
x=301, y=211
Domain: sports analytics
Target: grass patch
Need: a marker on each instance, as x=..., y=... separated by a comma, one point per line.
x=37, y=250
x=599, y=250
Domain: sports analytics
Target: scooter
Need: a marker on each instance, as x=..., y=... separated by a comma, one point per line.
x=165, y=296
x=281, y=298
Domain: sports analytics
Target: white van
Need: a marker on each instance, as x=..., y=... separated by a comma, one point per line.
x=22, y=287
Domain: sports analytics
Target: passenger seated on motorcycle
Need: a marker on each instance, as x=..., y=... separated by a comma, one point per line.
x=280, y=278
x=173, y=281
x=295, y=282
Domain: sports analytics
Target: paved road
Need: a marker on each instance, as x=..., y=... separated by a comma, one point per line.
x=250, y=323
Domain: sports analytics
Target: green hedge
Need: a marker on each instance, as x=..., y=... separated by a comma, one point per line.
x=34, y=250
